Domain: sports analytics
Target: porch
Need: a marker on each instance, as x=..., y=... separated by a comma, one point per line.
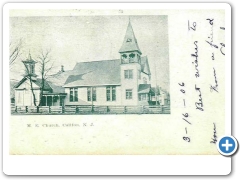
x=53, y=99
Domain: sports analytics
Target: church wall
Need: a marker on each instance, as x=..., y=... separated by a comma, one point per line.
x=24, y=96
x=101, y=97
x=131, y=84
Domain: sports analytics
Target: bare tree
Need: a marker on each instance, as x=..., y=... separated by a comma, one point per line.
x=30, y=75
x=45, y=66
x=14, y=51
x=43, y=61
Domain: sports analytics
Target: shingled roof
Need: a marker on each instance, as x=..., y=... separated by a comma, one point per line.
x=94, y=73
x=130, y=41
x=144, y=88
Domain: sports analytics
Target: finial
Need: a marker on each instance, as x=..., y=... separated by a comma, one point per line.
x=29, y=55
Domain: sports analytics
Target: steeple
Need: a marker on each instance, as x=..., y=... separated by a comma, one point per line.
x=130, y=41
x=29, y=64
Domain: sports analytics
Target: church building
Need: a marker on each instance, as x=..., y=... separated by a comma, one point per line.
x=124, y=81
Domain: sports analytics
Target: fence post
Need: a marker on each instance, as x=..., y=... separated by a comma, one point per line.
x=77, y=109
x=37, y=109
x=49, y=109
x=162, y=109
x=108, y=110
x=92, y=109
x=125, y=109
x=26, y=109
x=63, y=109
x=16, y=109
x=143, y=109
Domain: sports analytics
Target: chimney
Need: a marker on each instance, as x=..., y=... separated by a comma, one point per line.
x=62, y=68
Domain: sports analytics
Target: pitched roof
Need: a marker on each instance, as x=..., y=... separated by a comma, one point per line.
x=94, y=73
x=37, y=81
x=144, y=88
x=130, y=41
x=144, y=65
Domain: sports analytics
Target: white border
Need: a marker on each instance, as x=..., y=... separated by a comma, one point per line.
x=114, y=165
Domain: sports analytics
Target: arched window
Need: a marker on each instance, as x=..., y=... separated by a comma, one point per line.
x=131, y=57
x=144, y=80
x=124, y=58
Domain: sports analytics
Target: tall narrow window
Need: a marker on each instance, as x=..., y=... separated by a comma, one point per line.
x=89, y=94
x=128, y=94
x=128, y=74
x=111, y=93
x=144, y=80
x=108, y=94
x=73, y=94
x=144, y=96
x=94, y=94
x=32, y=69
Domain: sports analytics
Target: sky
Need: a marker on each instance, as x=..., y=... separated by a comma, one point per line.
x=75, y=39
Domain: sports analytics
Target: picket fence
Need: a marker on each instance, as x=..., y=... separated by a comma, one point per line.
x=90, y=109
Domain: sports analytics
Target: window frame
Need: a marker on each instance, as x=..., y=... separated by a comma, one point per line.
x=73, y=95
x=92, y=94
x=111, y=93
x=129, y=94
x=128, y=74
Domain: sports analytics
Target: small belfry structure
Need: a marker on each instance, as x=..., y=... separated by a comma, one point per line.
x=130, y=51
x=29, y=64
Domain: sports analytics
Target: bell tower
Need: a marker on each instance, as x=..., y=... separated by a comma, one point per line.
x=130, y=55
x=29, y=64
x=129, y=51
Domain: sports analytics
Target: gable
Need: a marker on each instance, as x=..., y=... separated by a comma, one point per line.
x=145, y=66
x=25, y=84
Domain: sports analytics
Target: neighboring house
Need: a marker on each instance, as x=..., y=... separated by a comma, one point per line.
x=124, y=81
x=53, y=95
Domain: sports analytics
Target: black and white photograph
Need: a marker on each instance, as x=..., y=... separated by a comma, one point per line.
x=89, y=65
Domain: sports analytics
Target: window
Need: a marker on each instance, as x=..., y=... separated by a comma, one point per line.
x=124, y=59
x=128, y=94
x=131, y=56
x=143, y=96
x=128, y=74
x=144, y=80
x=32, y=69
x=111, y=93
x=73, y=94
x=108, y=94
x=91, y=94
x=94, y=94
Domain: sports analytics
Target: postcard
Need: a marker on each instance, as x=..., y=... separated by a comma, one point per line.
x=116, y=83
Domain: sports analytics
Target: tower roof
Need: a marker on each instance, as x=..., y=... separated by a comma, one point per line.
x=29, y=59
x=130, y=41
